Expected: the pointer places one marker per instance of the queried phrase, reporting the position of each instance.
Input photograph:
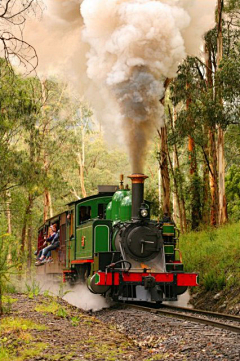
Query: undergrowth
(215, 255)
(17, 324)
(52, 307)
(16, 342)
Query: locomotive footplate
(113, 278)
(141, 286)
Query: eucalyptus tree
(213, 86)
(13, 47)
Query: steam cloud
(118, 53)
(77, 295)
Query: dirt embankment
(225, 301)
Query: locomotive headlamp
(144, 210)
(144, 213)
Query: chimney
(137, 193)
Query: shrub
(7, 262)
(215, 255)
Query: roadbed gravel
(173, 338)
(113, 334)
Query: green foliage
(231, 5)
(32, 289)
(233, 192)
(215, 255)
(46, 293)
(62, 312)
(22, 354)
(213, 281)
(211, 91)
(75, 321)
(17, 323)
(8, 259)
(9, 300)
(7, 303)
(52, 307)
(10, 288)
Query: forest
(53, 149)
(91, 90)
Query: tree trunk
(27, 217)
(82, 184)
(8, 212)
(176, 195)
(212, 156)
(82, 165)
(164, 172)
(47, 202)
(194, 186)
(28, 211)
(80, 154)
(213, 178)
(176, 207)
(179, 190)
(1, 307)
(206, 180)
(47, 212)
(221, 160)
(194, 178)
(29, 233)
(163, 162)
(159, 180)
(221, 177)
(9, 223)
(23, 237)
(176, 203)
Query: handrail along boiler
(110, 241)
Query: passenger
(39, 254)
(54, 239)
(48, 256)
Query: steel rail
(195, 319)
(203, 312)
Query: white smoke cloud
(134, 46)
(56, 36)
(118, 54)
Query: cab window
(84, 214)
(102, 211)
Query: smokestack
(137, 193)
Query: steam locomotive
(110, 242)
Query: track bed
(174, 338)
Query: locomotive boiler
(110, 242)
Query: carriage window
(84, 214)
(102, 211)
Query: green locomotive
(110, 242)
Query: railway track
(231, 323)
